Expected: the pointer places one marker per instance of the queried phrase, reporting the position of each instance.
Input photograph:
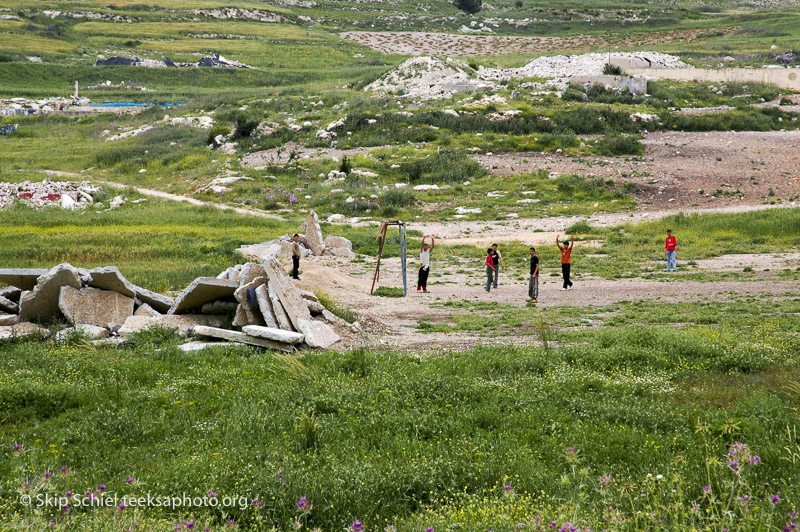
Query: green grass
(415, 441)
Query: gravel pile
(428, 78)
(67, 194)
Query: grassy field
(641, 425)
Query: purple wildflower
(755, 460)
(775, 499)
(130, 479)
(356, 526)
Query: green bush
(612, 145)
(388, 291)
(246, 124)
(445, 166)
(611, 70)
(469, 6)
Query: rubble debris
(8, 305)
(314, 234)
(317, 333)
(202, 290)
(93, 332)
(182, 322)
(265, 306)
(23, 330)
(191, 347)
(12, 293)
(218, 307)
(292, 302)
(8, 319)
(234, 336)
(271, 333)
(110, 278)
(277, 307)
(42, 302)
(146, 310)
(67, 194)
(91, 306)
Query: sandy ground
(391, 322)
(448, 44)
(677, 166)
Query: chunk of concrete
(293, 304)
(23, 330)
(240, 319)
(318, 334)
(159, 302)
(249, 306)
(265, 306)
(338, 242)
(202, 290)
(182, 322)
(218, 307)
(42, 302)
(314, 234)
(250, 272)
(277, 308)
(11, 293)
(235, 336)
(110, 278)
(92, 332)
(314, 307)
(8, 305)
(92, 306)
(271, 333)
(146, 310)
(191, 347)
(8, 319)
(23, 278)
(305, 294)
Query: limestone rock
(318, 334)
(23, 330)
(202, 290)
(314, 307)
(270, 333)
(265, 305)
(93, 332)
(146, 310)
(159, 302)
(182, 322)
(91, 306)
(338, 246)
(42, 301)
(191, 347)
(251, 308)
(8, 319)
(293, 304)
(314, 234)
(218, 307)
(8, 305)
(235, 336)
(277, 308)
(305, 294)
(250, 271)
(110, 278)
(11, 293)
(240, 320)
(23, 278)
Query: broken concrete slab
(248, 304)
(23, 278)
(23, 330)
(146, 310)
(235, 336)
(8, 319)
(182, 322)
(197, 345)
(265, 306)
(92, 332)
(92, 306)
(332, 241)
(8, 305)
(218, 307)
(318, 334)
(314, 234)
(240, 319)
(250, 272)
(277, 308)
(42, 302)
(159, 302)
(11, 293)
(305, 294)
(314, 307)
(293, 304)
(110, 278)
(202, 290)
(271, 333)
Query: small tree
(345, 166)
(469, 6)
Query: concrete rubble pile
(312, 244)
(101, 303)
(213, 61)
(66, 194)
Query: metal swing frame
(385, 224)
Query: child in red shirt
(670, 244)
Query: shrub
(345, 166)
(245, 125)
(388, 291)
(333, 306)
(397, 197)
(216, 131)
(469, 6)
(444, 166)
(611, 145)
(611, 70)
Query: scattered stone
(22, 278)
(146, 310)
(317, 333)
(265, 305)
(91, 306)
(23, 330)
(42, 301)
(202, 290)
(182, 322)
(314, 234)
(287, 293)
(8, 305)
(219, 307)
(93, 332)
(270, 333)
(338, 243)
(243, 338)
(314, 307)
(110, 278)
(305, 294)
(8, 319)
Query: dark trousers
(295, 267)
(565, 272)
(422, 280)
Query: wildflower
(706, 488)
(429, 529)
(190, 524)
(212, 494)
(775, 499)
(303, 506)
(130, 479)
(101, 487)
(755, 460)
(734, 466)
(507, 487)
(121, 506)
(605, 480)
(16, 447)
(256, 502)
(356, 526)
